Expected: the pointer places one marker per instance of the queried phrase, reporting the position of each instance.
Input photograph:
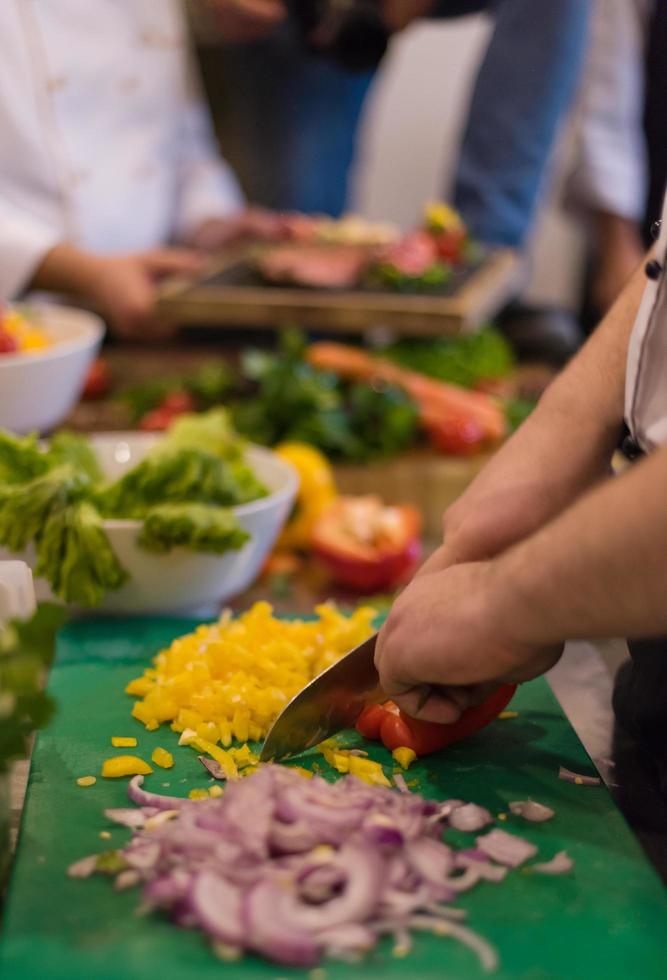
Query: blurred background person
(108, 165)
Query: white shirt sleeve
(609, 171)
(24, 241)
(207, 186)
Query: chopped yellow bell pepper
(215, 791)
(162, 758)
(198, 794)
(86, 781)
(119, 742)
(404, 756)
(369, 771)
(125, 765)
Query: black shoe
(548, 335)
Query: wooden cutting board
(606, 921)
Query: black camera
(351, 32)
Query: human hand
(459, 630)
(246, 20)
(124, 288)
(251, 223)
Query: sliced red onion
(469, 817)
(129, 816)
(217, 907)
(578, 778)
(488, 957)
(431, 859)
(142, 798)
(531, 810)
(83, 868)
(506, 848)
(142, 853)
(561, 864)
(212, 767)
(266, 933)
(126, 879)
(400, 783)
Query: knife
(331, 702)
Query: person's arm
(122, 288)
(563, 448)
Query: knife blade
(332, 701)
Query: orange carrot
(435, 399)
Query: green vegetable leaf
(25, 508)
(212, 432)
(196, 526)
(180, 475)
(20, 458)
(75, 556)
(68, 447)
(459, 360)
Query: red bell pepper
(366, 545)
(388, 723)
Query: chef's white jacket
(104, 139)
(646, 384)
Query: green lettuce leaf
(25, 508)
(21, 459)
(196, 526)
(69, 447)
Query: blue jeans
(292, 117)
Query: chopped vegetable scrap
(404, 756)
(162, 758)
(20, 333)
(296, 870)
(531, 810)
(579, 779)
(125, 765)
(561, 864)
(120, 742)
(345, 761)
(86, 781)
(231, 679)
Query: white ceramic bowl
(183, 581)
(38, 390)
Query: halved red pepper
(386, 722)
(366, 544)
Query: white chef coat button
(653, 269)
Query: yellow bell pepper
(162, 758)
(119, 742)
(125, 765)
(404, 756)
(317, 489)
(439, 217)
(86, 781)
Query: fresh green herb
(208, 386)
(293, 401)
(196, 526)
(26, 650)
(388, 275)
(459, 360)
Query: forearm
(67, 269)
(598, 570)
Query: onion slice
(506, 848)
(561, 864)
(531, 810)
(574, 777)
(469, 817)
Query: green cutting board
(606, 920)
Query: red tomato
(450, 244)
(366, 545)
(397, 730)
(156, 421)
(370, 720)
(8, 344)
(456, 435)
(177, 403)
(98, 380)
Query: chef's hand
(246, 20)
(450, 628)
(251, 223)
(124, 289)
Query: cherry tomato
(398, 730)
(458, 436)
(156, 421)
(8, 344)
(98, 380)
(450, 244)
(177, 403)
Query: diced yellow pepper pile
(231, 679)
(347, 760)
